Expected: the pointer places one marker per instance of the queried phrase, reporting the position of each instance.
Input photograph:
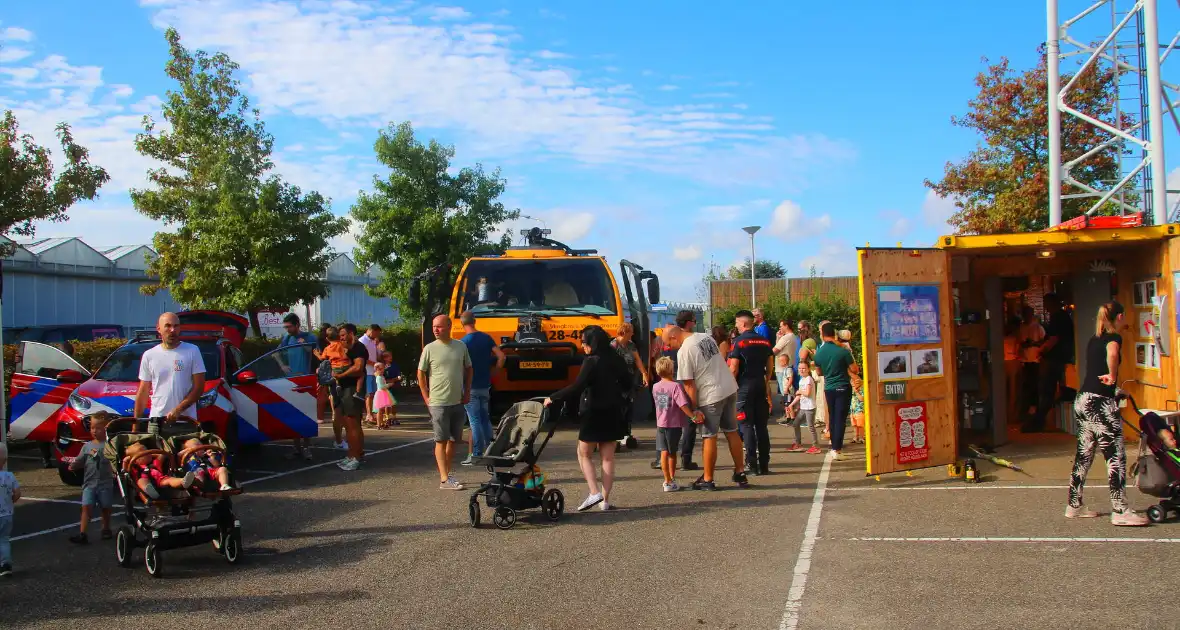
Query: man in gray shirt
(444, 376)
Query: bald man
(444, 376)
(172, 373)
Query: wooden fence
(729, 293)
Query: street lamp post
(753, 290)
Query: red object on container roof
(1083, 222)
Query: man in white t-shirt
(786, 352)
(173, 373)
(372, 341)
(711, 388)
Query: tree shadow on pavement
(137, 605)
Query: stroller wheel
(473, 512)
(504, 517)
(153, 561)
(553, 504)
(124, 545)
(232, 547)
(1156, 514)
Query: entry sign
(911, 432)
(895, 390)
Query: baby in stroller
(205, 462)
(150, 472)
(1159, 473)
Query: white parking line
(28, 457)
(334, 461)
(964, 487)
(39, 500)
(244, 483)
(790, 619)
(1010, 539)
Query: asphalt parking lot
(815, 545)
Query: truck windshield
(552, 286)
(123, 364)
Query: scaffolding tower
(1130, 46)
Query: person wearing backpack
(299, 363)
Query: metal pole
(1155, 109)
(1053, 63)
(753, 284)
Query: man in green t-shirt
(444, 376)
(833, 361)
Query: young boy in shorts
(98, 489)
(671, 413)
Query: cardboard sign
(911, 432)
(894, 390)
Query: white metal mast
(1146, 133)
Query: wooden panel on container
(938, 394)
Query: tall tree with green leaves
(421, 216)
(244, 240)
(762, 269)
(1003, 185)
(29, 191)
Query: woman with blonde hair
(1100, 425)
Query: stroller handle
(1121, 394)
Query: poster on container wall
(911, 432)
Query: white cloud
(551, 54)
(363, 65)
(835, 258)
(443, 14)
(692, 252)
(16, 34)
(789, 222)
(937, 210)
(721, 213)
(900, 227)
(667, 87)
(106, 224)
(10, 54)
(567, 226)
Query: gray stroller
(516, 482)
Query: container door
(907, 334)
(275, 395)
(37, 394)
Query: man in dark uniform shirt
(749, 360)
(1057, 350)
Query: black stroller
(173, 518)
(511, 459)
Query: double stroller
(516, 482)
(172, 517)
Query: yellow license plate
(536, 365)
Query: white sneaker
(342, 445)
(604, 506)
(590, 502)
(348, 463)
(450, 484)
(668, 487)
(225, 486)
(838, 456)
(675, 486)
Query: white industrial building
(66, 281)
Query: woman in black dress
(600, 392)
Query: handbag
(1151, 478)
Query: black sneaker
(5, 570)
(689, 465)
(763, 471)
(80, 539)
(701, 484)
(107, 535)
(740, 480)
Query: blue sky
(651, 131)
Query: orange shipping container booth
(934, 322)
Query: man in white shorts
(712, 389)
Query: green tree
(1002, 186)
(28, 190)
(244, 240)
(813, 309)
(421, 216)
(769, 269)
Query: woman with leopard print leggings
(1100, 425)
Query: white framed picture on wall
(1143, 293)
